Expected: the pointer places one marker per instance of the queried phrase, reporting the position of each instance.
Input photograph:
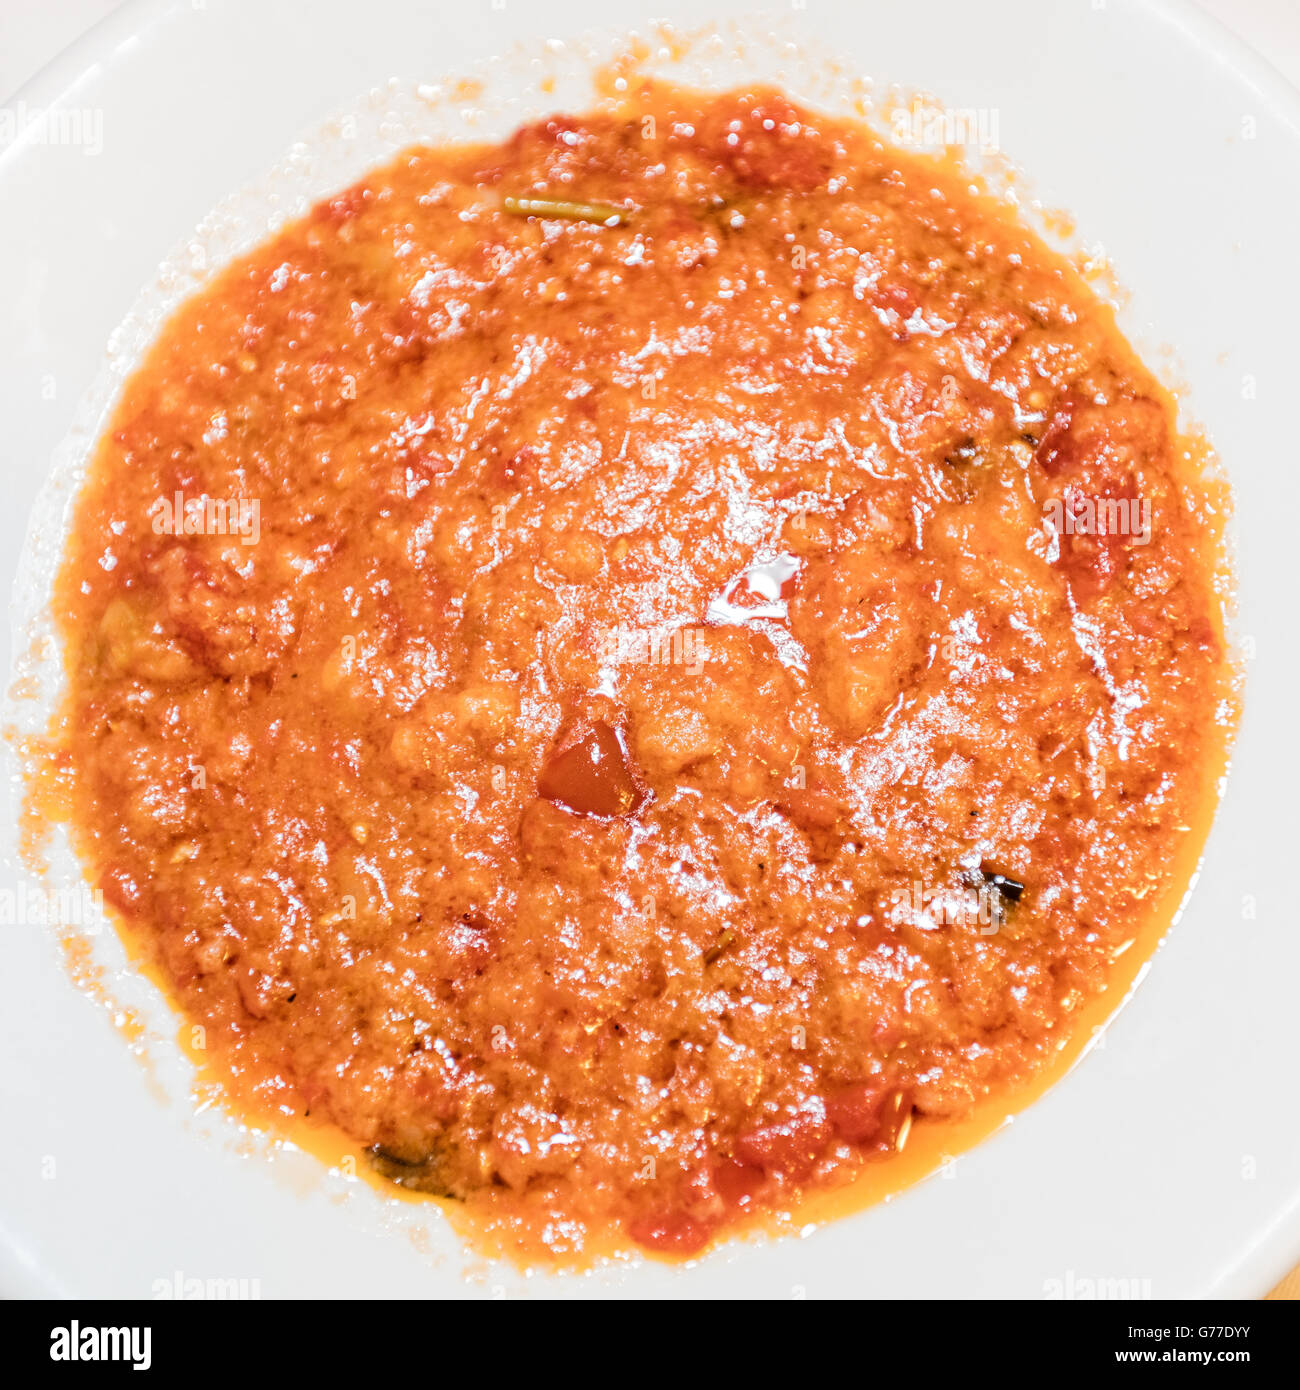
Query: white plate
(1168, 1162)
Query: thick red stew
(630, 669)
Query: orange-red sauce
(626, 713)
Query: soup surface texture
(627, 668)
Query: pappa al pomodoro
(629, 669)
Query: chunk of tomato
(590, 775)
(791, 1146)
(670, 1232)
(868, 1112)
(737, 1182)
